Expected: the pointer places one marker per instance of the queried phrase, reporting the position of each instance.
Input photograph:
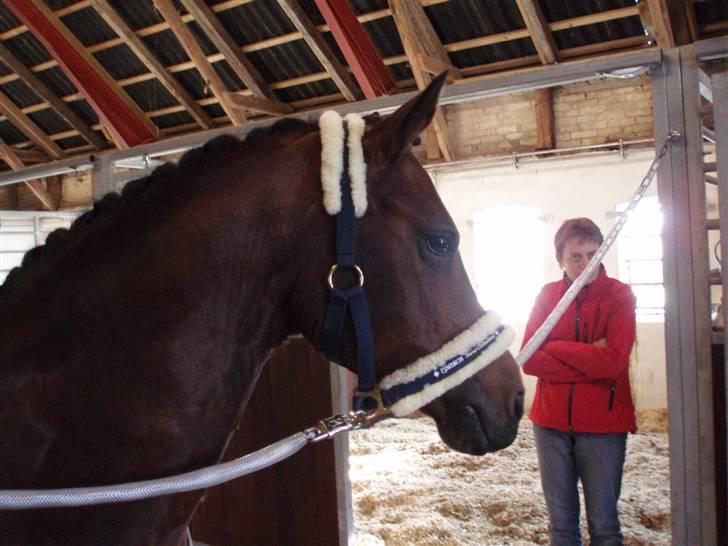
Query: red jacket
(583, 387)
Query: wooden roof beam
(46, 94)
(424, 49)
(225, 44)
(320, 49)
(26, 125)
(124, 119)
(10, 156)
(194, 51)
(257, 104)
(539, 30)
(668, 21)
(364, 60)
(114, 20)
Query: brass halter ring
(335, 267)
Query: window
(21, 231)
(640, 258)
(509, 260)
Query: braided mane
(137, 191)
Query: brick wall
(585, 113)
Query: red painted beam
(358, 49)
(127, 126)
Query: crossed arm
(565, 361)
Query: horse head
(419, 295)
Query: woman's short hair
(582, 229)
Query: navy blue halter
(352, 299)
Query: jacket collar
(594, 285)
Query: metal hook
(515, 160)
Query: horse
(131, 342)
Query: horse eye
(441, 245)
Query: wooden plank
(656, 21)
(240, 64)
(420, 41)
(257, 104)
(320, 49)
(436, 66)
(300, 489)
(122, 116)
(539, 30)
(543, 105)
(167, 9)
(114, 20)
(46, 94)
(35, 186)
(24, 124)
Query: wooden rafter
(10, 156)
(240, 64)
(114, 20)
(257, 104)
(655, 18)
(29, 128)
(39, 88)
(124, 119)
(544, 109)
(421, 42)
(193, 49)
(471, 72)
(539, 30)
(320, 49)
(364, 60)
(691, 21)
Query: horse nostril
(518, 405)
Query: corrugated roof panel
(56, 81)
(307, 91)
(193, 83)
(49, 122)
(173, 120)
(202, 40)
(166, 48)
(214, 110)
(55, 5)
(711, 12)
(84, 111)
(599, 32)
(120, 62)
(150, 95)
(8, 21)
(10, 134)
(256, 21)
(20, 93)
(88, 26)
(26, 48)
(285, 61)
(4, 70)
(137, 13)
(384, 35)
(71, 142)
(558, 10)
(493, 53)
(228, 76)
(459, 20)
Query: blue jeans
(566, 457)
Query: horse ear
(395, 134)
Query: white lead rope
(327, 428)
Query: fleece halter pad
(416, 385)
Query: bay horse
(130, 343)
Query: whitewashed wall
(563, 188)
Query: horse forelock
(113, 204)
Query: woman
(583, 405)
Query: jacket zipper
(612, 388)
(577, 336)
